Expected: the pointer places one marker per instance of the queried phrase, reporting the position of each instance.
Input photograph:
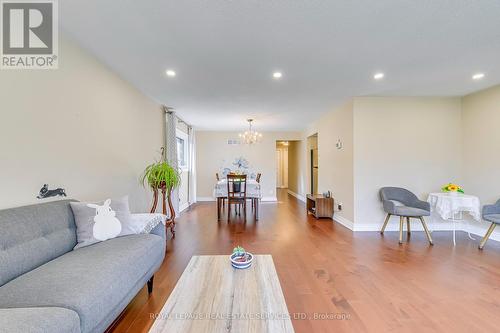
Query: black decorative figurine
(46, 193)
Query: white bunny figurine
(106, 224)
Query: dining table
(253, 193)
(451, 206)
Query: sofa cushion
(92, 280)
(39, 320)
(32, 235)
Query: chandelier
(251, 136)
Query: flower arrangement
(240, 166)
(452, 188)
(241, 163)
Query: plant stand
(166, 197)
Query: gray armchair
(403, 203)
(491, 213)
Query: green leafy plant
(161, 174)
(239, 251)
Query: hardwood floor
(366, 281)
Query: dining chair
(490, 213)
(236, 194)
(223, 199)
(403, 203)
(257, 179)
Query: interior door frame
(312, 169)
(282, 167)
(311, 156)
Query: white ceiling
(224, 52)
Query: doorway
(282, 164)
(312, 145)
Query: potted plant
(240, 258)
(452, 189)
(161, 176)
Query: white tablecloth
(253, 189)
(448, 206)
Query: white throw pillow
(97, 222)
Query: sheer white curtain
(171, 149)
(192, 165)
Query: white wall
(407, 142)
(335, 172)
(80, 127)
(212, 150)
(481, 148)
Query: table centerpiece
(240, 258)
(452, 189)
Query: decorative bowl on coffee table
(241, 260)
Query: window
(182, 149)
(180, 152)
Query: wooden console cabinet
(319, 206)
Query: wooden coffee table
(212, 296)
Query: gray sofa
(45, 286)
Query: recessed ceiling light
(170, 73)
(478, 76)
(378, 76)
(277, 75)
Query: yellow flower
(452, 187)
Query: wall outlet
(339, 206)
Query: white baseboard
(480, 231)
(205, 199)
(345, 222)
(183, 207)
(298, 196)
(269, 199)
